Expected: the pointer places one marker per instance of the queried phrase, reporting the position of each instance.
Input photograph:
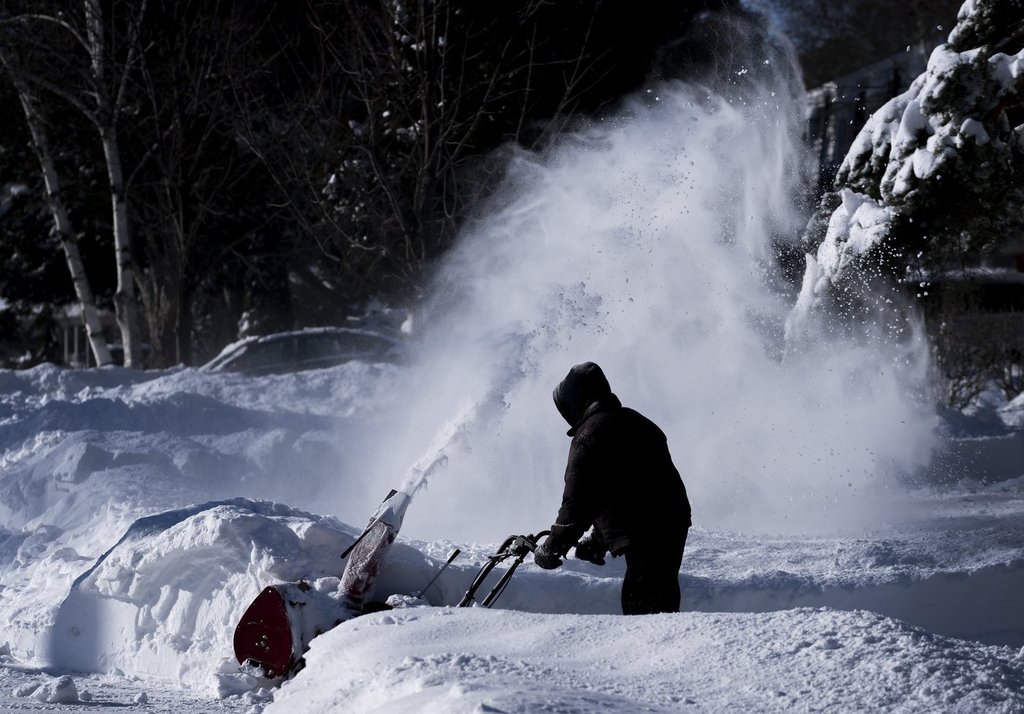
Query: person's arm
(579, 498)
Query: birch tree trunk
(62, 223)
(126, 302)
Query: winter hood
(583, 388)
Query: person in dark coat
(619, 479)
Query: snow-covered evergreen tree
(935, 175)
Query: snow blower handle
(515, 546)
(523, 545)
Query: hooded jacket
(620, 477)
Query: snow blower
(274, 633)
(277, 627)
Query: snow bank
(87, 456)
(163, 601)
(472, 660)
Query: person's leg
(651, 583)
(632, 585)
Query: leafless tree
(193, 163)
(420, 91)
(86, 57)
(61, 218)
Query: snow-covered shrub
(935, 176)
(942, 161)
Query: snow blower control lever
(515, 546)
(453, 556)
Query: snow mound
(165, 599)
(474, 660)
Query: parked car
(312, 348)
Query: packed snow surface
(443, 660)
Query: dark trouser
(651, 584)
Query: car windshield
(352, 345)
(257, 355)
(305, 350)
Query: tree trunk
(62, 223)
(126, 301)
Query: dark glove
(592, 549)
(545, 557)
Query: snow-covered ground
(128, 554)
(852, 550)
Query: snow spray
(649, 242)
(367, 556)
